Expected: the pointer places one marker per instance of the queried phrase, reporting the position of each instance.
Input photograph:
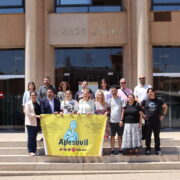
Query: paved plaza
(140, 175)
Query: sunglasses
(123, 82)
(141, 78)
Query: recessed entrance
(91, 64)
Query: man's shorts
(115, 128)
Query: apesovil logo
(71, 137)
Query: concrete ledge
(18, 144)
(88, 166)
(44, 173)
(164, 142)
(103, 159)
(17, 150)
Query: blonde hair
(103, 98)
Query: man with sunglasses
(124, 92)
(140, 91)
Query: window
(166, 5)
(166, 81)
(91, 64)
(75, 6)
(11, 6)
(12, 62)
(166, 59)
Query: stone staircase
(14, 158)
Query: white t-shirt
(141, 91)
(86, 107)
(69, 107)
(116, 105)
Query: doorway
(11, 112)
(167, 86)
(75, 65)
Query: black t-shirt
(131, 113)
(152, 108)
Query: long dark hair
(103, 81)
(64, 83)
(31, 82)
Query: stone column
(127, 48)
(141, 47)
(34, 37)
(49, 67)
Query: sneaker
(148, 152)
(112, 152)
(32, 154)
(158, 153)
(120, 152)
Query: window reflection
(166, 70)
(104, 9)
(10, 2)
(90, 64)
(71, 2)
(11, 6)
(168, 89)
(12, 62)
(68, 6)
(71, 9)
(166, 5)
(166, 59)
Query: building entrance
(167, 86)
(91, 64)
(11, 113)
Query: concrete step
(18, 150)
(100, 172)
(164, 142)
(18, 144)
(169, 154)
(88, 166)
(106, 151)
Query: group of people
(124, 109)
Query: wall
(88, 29)
(12, 31)
(165, 33)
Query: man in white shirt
(140, 91)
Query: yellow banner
(73, 135)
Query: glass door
(11, 112)
(168, 87)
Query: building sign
(87, 29)
(77, 31)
